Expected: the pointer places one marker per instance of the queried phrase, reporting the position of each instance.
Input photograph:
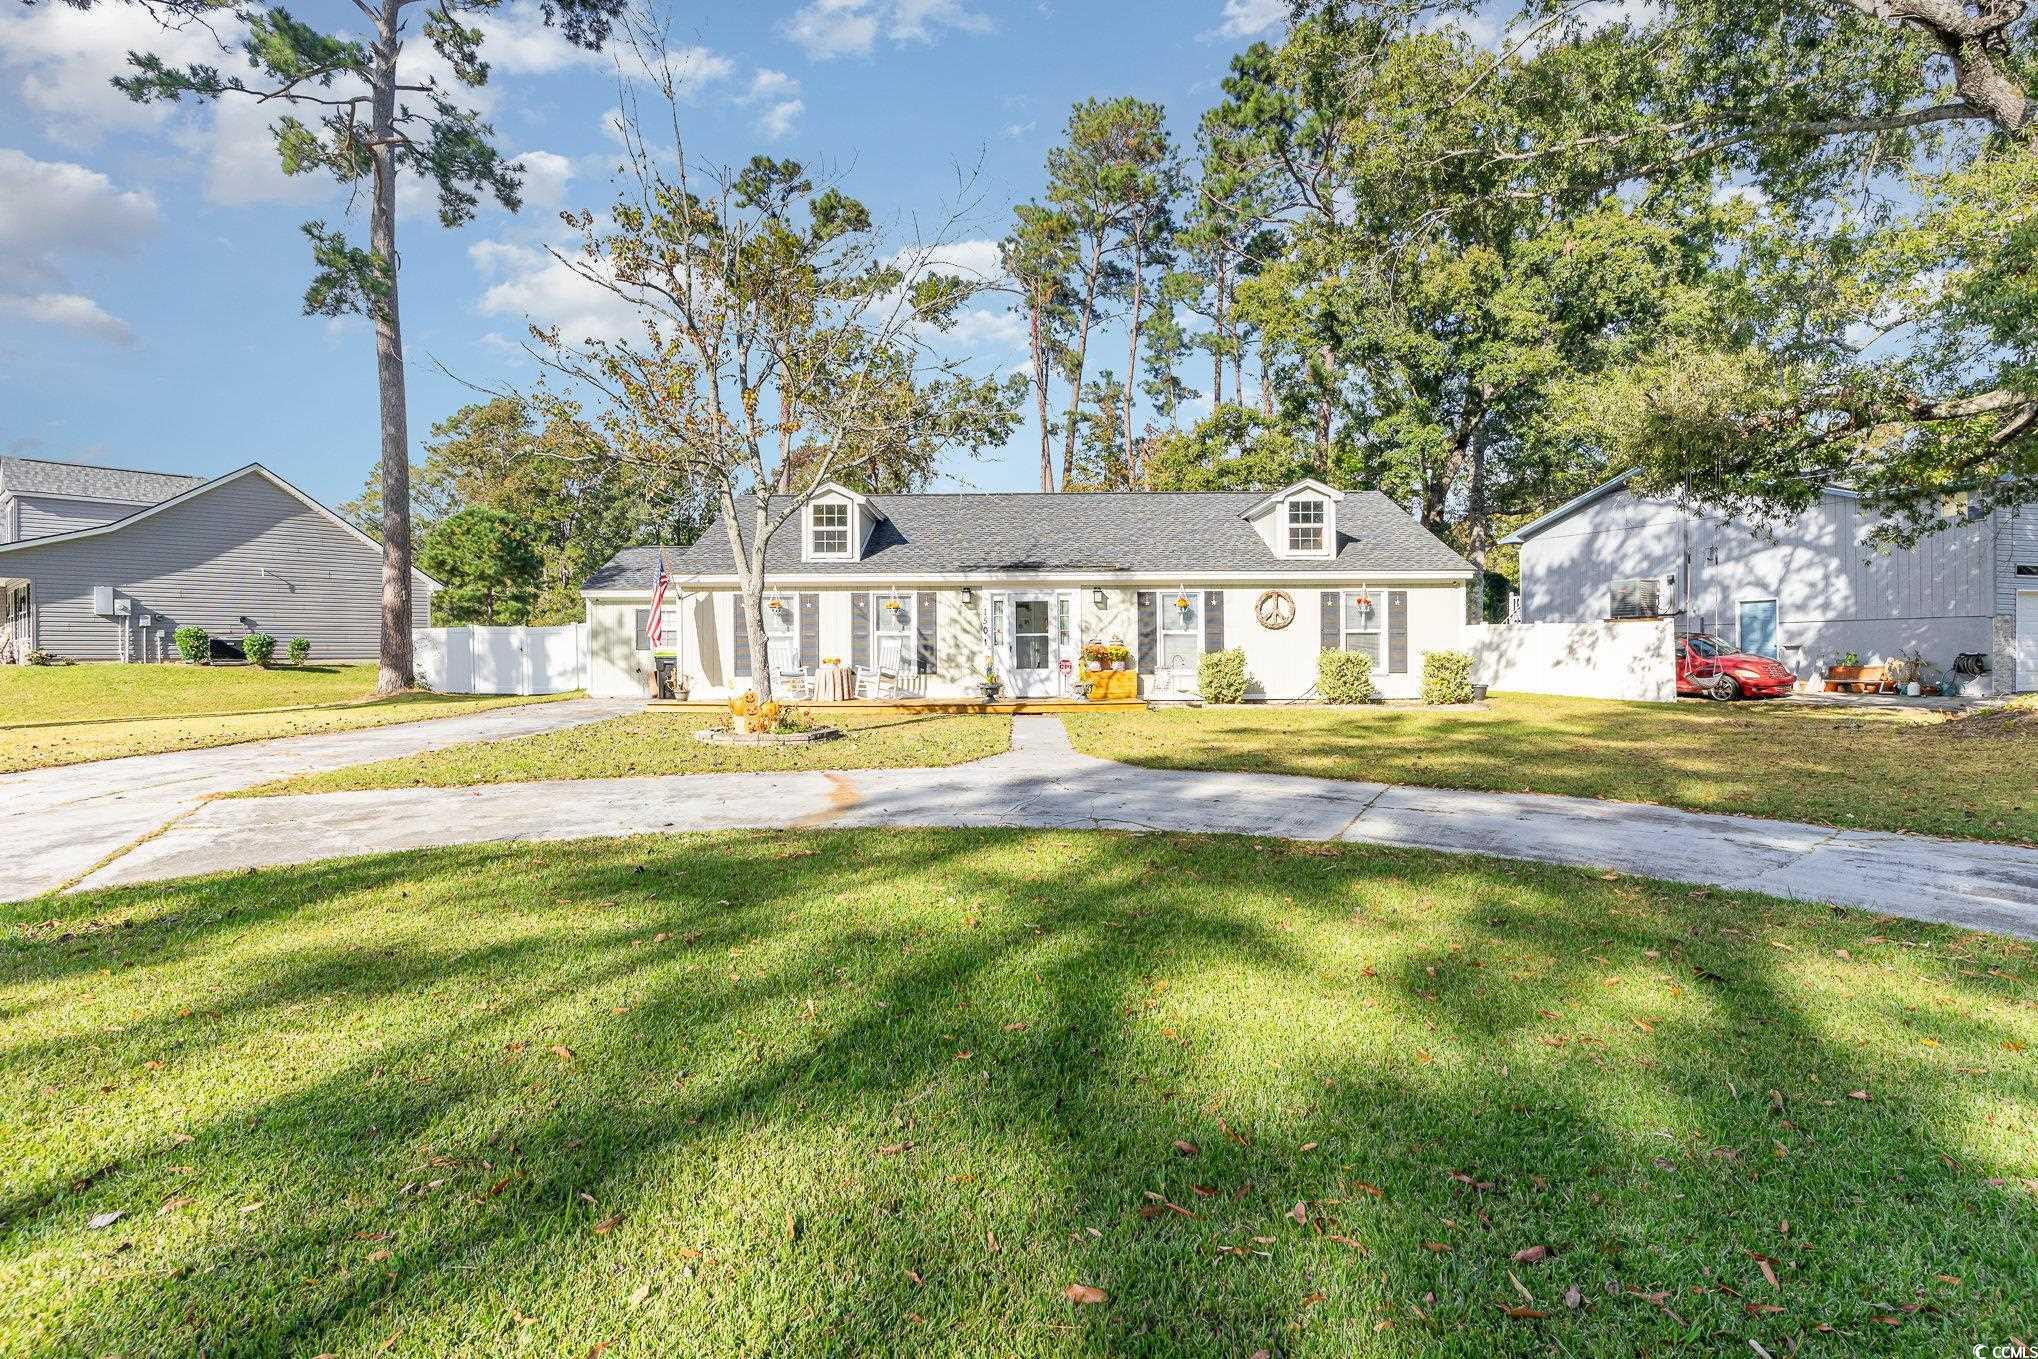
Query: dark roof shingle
(34, 476)
(1186, 532)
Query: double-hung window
(894, 614)
(831, 528)
(1360, 626)
(1181, 618)
(1305, 525)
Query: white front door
(2027, 639)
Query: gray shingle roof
(33, 476)
(1153, 531)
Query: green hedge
(1344, 677)
(300, 650)
(1446, 677)
(194, 644)
(1221, 676)
(258, 647)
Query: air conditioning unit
(1643, 597)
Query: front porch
(924, 707)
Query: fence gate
(503, 660)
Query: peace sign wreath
(1275, 609)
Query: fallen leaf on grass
(608, 1224)
(1439, 1247)
(1759, 1309)
(1521, 1313)
(1082, 1295)
(1300, 1212)
(1530, 1255)
(171, 1205)
(100, 1221)
(1573, 1299)
(376, 1257)
(1185, 1148)
(642, 1292)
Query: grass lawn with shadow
(895, 1092)
(1971, 777)
(653, 743)
(83, 693)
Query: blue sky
(151, 269)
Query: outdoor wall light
(1097, 598)
(969, 596)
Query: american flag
(655, 628)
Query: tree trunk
(1068, 451)
(397, 671)
(1038, 342)
(1478, 523)
(1132, 356)
(1217, 348)
(1266, 382)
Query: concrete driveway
(56, 823)
(1043, 782)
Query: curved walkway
(57, 823)
(1043, 782)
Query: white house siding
(39, 516)
(1282, 664)
(2016, 545)
(1834, 592)
(242, 557)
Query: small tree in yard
(486, 564)
(781, 345)
(371, 123)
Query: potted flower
(1096, 656)
(990, 685)
(1120, 655)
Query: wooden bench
(1857, 679)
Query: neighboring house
(99, 564)
(937, 588)
(1805, 592)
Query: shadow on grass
(871, 1092)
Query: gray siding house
(1805, 592)
(102, 564)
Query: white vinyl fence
(502, 660)
(1619, 658)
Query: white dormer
(836, 523)
(1299, 520)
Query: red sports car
(1708, 667)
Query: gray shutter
(1333, 635)
(1397, 632)
(1149, 631)
(810, 631)
(859, 630)
(923, 623)
(643, 629)
(741, 670)
(1213, 620)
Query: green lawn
(1971, 777)
(40, 747)
(83, 693)
(663, 743)
(896, 1092)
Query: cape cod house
(105, 564)
(933, 590)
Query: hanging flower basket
(1181, 601)
(1363, 601)
(892, 604)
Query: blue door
(1758, 627)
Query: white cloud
(533, 285)
(53, 209)
(546, 174)
(983, 328)
(779, 120)
(72, 312)
(47, 206)
(517, 40)
(62, 60)
(850, 28)
(1250, 18)
(1017, 130)
(780, 94)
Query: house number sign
(1275, 609)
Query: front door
(1030, 651)
(1758, 627)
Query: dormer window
(830, 529)
(1305, 525)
